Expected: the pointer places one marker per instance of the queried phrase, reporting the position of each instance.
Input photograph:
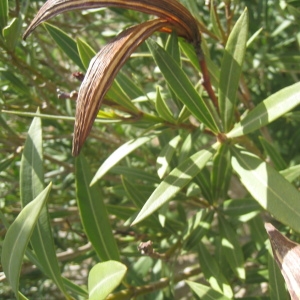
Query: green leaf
(232, 248)
(258, 232)
(205, 292)
(273, 153)
(162, 108)
(3, 14)
(268, 187)
(32, 171)
(174, 182)
(31, 185)
(120, 153)
(197, 227)
(164, 158)
(213, 69)
(172, 49)
(7, 161)
(269, 110)
(186, 148)
(181, 85)
(119, 96)
(290, 174)
(135, 194)
(215, 22)
(66, 43)
(93, 213)
(12, 32)
(72, 287)
(221, 173)
(241, 209)
(131, 89)
(16, 83)
(212, 271)
(104, 278)
(204, 181)
(17, 238)
(86, 52)
(231, 69)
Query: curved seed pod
(287, 256)
(171, 10)
(100, 74)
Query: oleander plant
(149, 149)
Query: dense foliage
(179, 197)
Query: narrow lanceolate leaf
(120, 153)
(178, 16)
(65, 43)
(174, 182)
(104, 278)
(287, 256)
(231, 69)
(165, 156)
(86, 52)
(205, 292)
(290, 174)
(182, 86)
(273, 154)
(269, 110)
(232, 248)
(11, 33)
(17, 238)
(268, 187)
(3, 14)
(221, 172)
(162, 108)
(93, 213)
(31, 185)
(212, 271)
(101, 73)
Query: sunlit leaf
(177, 179)
(86, 52)
(18, 236)
(205, 292)
(268, 110)
(120, 153)
(290, 174)
(212, 271)
(268, 187)
(104, 278)
(165, 156)
(231, 69)
(232, 248)
(162, 108)
(31, 185)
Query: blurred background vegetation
(36, 73)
